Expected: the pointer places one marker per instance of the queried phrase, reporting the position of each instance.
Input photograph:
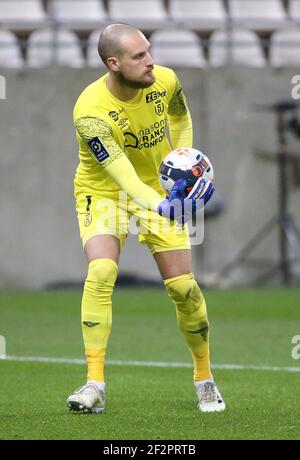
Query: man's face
(136, 63)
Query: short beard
(132, 83)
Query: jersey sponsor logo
(154, 95)
(159, 107)
(151, 136)
(148, 137)
(114, 114)
(98, 149)
(122, 122)
(131, 140)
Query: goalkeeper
(121, 122)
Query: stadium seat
(241, 47)
(76, 14)
(145, 15)
(200, 14)
(46, 47)
(285, 48)
(294, 9)
(10, 53)
(20, 14)
(177, 47)
(258, 14)
(92, 56)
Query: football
(184, 163)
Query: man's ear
(113, 64)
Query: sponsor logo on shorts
(104, 212)
(88, 217)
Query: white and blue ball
(184, 163)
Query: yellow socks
(95, 362)
(192, 320)
(97, 317)
(96, 314)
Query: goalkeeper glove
(182, 206)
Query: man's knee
(190, 305)
(185, 293)
(103, 272)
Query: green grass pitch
(153, 403)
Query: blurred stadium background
(231, 56)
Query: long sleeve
(180, 121)
(99, 137)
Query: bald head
(112, 38)
(125, 52)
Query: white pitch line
(150, 364)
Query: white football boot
(209, 397)
(88, 399)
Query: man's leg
(176, 269)
(102, 252)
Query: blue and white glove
(181, 206)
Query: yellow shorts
(109, 214)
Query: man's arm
(180, 122)
(98, 135)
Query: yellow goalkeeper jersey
(108, 129)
